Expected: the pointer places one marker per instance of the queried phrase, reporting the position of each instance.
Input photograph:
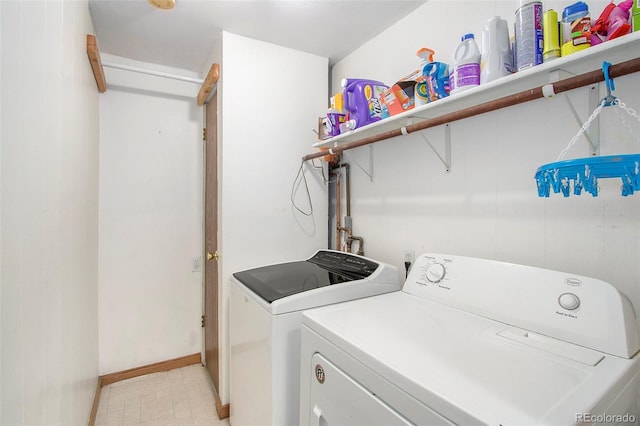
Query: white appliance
(472, 341)
(265, 313)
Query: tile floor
(179, 397)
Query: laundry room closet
(102, 193)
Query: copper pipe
(347, 187)
(336, 173)
(592, 77)
(339, 227)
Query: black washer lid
(325, 268)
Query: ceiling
(185, 36)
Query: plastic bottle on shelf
(465, 70)
(421, 93)
(550, 36)
(332, 122)
(576, 28)
(496, 50)
(362, 101)
(528, 35)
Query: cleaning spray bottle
(612, 23)
(435, 79)
(420, 91)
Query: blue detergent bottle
(362, 101)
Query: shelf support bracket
(594, 128)
(593, 134)
(352, 160)
(446, 160)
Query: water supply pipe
(348, 227)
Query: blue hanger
(609, 99)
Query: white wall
(150, 217)
(270, 98)
(487, 206)
(1, 388)
(49, 211)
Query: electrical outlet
(409, 256)
(196, 263)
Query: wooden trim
(222, 410)
(209, 82)
(96, 402)
(158, 367)
(96, 64)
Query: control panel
(573, 308)
(351, 265)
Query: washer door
(337, 399)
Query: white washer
(472, 341)
(265, 313)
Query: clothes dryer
(473, 341)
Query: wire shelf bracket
(445, 159)
(365, 171)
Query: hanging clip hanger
(585, 172)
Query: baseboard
(96, 401)
(158, 367)
(222, 410)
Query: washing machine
(473, 341)
(266, 305)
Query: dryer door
(337, 399)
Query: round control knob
(436, 272)
(569, 301)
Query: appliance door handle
(317, 416)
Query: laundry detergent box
(400, 97)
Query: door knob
(215, 256)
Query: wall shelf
(577, 70)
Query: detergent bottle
(332, 122)
(576, 28)
(465, 72)
(362, 101)
(496, 50)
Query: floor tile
(180, 397)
